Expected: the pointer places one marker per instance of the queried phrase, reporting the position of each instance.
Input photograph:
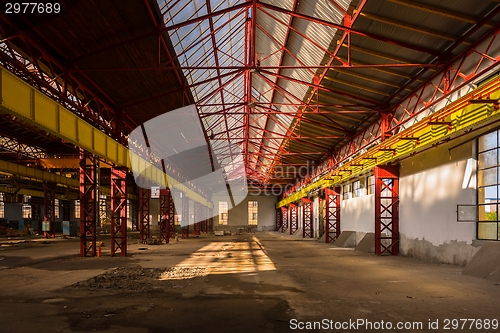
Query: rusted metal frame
(211, 220)
(284, 49)
(364, 77)
(197, 219)
(349, 29)
(321, 105)
(274, 84)
(165, 215)
(134, 214)
(88, 203)
(249, 59)
(179, 76)
(51, 61)
(284, 219)
(312, 85)
(75, 103)
(144, 213)
(49, 209)
(185, 216)
(307, 218)
(119, 211)
(171, 213)
(332, 206)
(219, 113)
(204, 219)
(184, 88)
(293, 209)
(335, 53)
(237, 74)
(165, 29)
(386, 210)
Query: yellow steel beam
(24, 101)
(451, 120)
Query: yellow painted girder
(461, 115)
(20, 99)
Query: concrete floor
(263, 282)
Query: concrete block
(367, 243)
(486, 263)
(346, 239)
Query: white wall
(432, 184)
(358, 214)
(238, 216)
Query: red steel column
(284, 218)
(185, 216)
(294, 217)
(50, 207)
(197, 217)
(387, 209)
(119, 211)
(144, 212)
(332, 207)
(165, 215)
(210, 220)
(171, 212)
(204, 219)
(88, 189)
(307, 218)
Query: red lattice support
(307, 218)
(171, 211)
(278, 219)
(144, 213)
(88, 212)
(284, 218)
(294, 217)
(119, 211)
(332, 207)
(386, 210)
(185, 216)
(50, 208)
(204, 219)
(165, 216)
(197, 219)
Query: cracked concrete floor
(245, 283)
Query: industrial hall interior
(249, 165)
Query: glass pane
(488, 159)
(487, 230)
(487, 177)
(488, 212)
(487, 194)
(488, 141)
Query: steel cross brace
(88, 203)
(386, 210)
(307, 218)
(144, 213)
(332, 207)
(294, 217)
(165, 216)
(119, 211)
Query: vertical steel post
(134, 214)
(284, 218)
(332, 207)
(294, 217)
(50, 207)
(210, 220)
(185, 216)
(204, 219)
(144, 213)
(386, 209)
(307, 218)
(119, 211)
(36, 212)
(88, 197)
(165, 215)
(171, 212)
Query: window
(488, 186)
(56, 208)
(346, 193)
(26, 211)
(253, 208)
(356, 189)
(177, 219)
(77, 209)
(370, 184)
(223, 212)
